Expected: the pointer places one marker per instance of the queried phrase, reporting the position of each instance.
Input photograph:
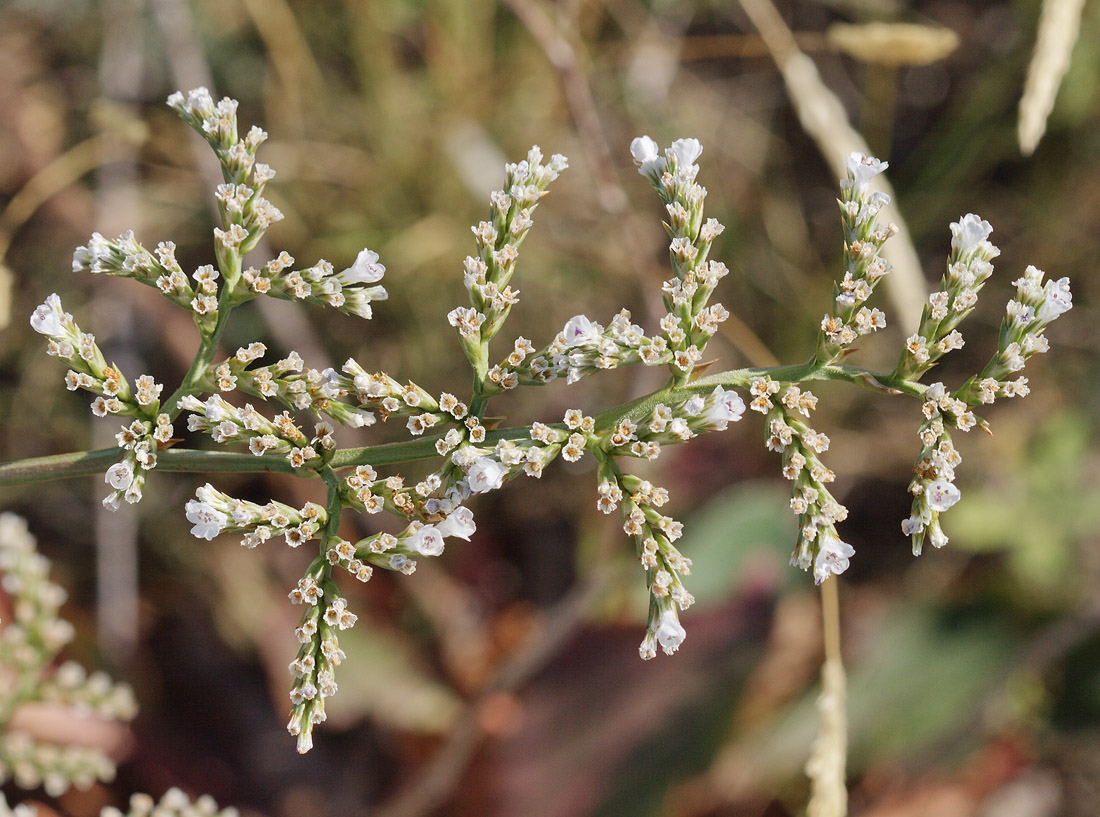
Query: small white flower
(214, 410)
(427, 541)
(832, 557)
(968, 232)
(207, 520)
(941, 495)
(486, 474)
(1058, 300)
(365, 270)
(359, 418)
(646, 155)
(580, 331)
(685, 151)
(912, 526)
(727, 406)
(120, 475)
(49, 317)
(694, 406)
(937, 536)
(862, 168)
(670, 632)
(459, 524)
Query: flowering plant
(472, 455)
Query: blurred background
(503, 679)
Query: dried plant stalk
(828, 758)
(1059, 25)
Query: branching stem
(84, 463)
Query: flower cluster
(89, 370)
(968, 268)
(226, 423)
(1036, 304)
(689, 322)
(213, 512)
(288, 382)
(388, 398)
(126, 257)
(933, 484)
(653, 534)
(484, 468)
(864, 265)
(819, 547)
(487, 275)
(315, 665)
(245, 213)
(29, 642)
(351, 290)
(581, 348)
(174, 803)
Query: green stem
(84, 463)
(480, 399)
(333, 507)
(203, 358)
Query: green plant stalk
(192, 381)
(84, 463)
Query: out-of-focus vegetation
(974, 671)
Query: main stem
(83, 463)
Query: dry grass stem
(1059, 25)
(828, 757)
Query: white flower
(694, 406)
(120, 475)
(427, 541)
(580, 331)
(199, 102)
(938, 537)
(214, 409)
(190, 403)
(832, 557)
(941, 495)
(208, 521)
(862, 168)
(912, 526)
(646, 156)
(486, 474)
(365, 270)
(1058, 300)
(685, 151)
(358, 418)
(670, 632)
(969, 232)
(49, 317)
(459, 524)
(727, 406)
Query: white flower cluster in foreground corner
(174, 803)
(30, 639)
